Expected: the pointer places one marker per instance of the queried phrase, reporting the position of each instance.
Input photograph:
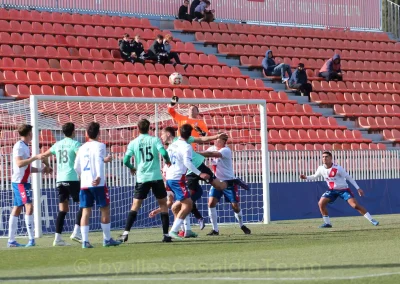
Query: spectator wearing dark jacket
(138, 50)
(126, 49)
(273, 69)
(331, 69)
(298, 81)
(171, 55)
(183, 12)
(193, 6)
(157, 51)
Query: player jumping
(335, 176)
(146, 149)
(222, 165)
(180, 153)
(89, 164)
(21, 170)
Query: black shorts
(192, 180)
(157, 186)
(67, 189)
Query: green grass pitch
(353, 251)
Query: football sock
(85, 233)
(368, 216)
(213, 217)
(187, 224)
(12, 228)
(60, 221)
(177, 223)
(106, 231)
(76, 230)
(239, 217)
(326, 219)
(29, 226)
(165, 222)
(131, 219)
(196, 212)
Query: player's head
(193, 111)
(220, 143)
(167, 135)
(25, 131)
(143, 126)
(69, 130)
(327, 158)
(186, 131)
(93, 130)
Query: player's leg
(86, 202)
(103, 201)
(196, 195)
(160, 193)
(28, 212)
(231, 195)
(63, 196)
(140, 194)
(354, 203)
(74, 191)
(327, 197)
(213, 200)
(13, 225)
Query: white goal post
(36, 119)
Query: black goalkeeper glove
(174, 100)
(200, 131)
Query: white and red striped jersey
(335, 177)
(21, 175)
(222, 167)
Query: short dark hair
(301, 65)
(93, 130)
(160, 37)
(327, 153)
(24, 130)
(170, 130)
(186, 131)
(144, 126)
(126, 35)
(68, 129)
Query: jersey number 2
(87, 167)
(147, 155)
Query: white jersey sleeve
(21, 175)
(180, 154)
(334, 176)
(187, 154)
(317, 174)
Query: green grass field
(353, 251)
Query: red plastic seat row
(87, 19)
(367, 110)
(359, 98)
(278, 31)
(357, 87)
(335, 146)
(302, 122)
(289, 109)
(385, 77)
(391, 135)
(379, 122)
(317, 136)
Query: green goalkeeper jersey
(65, 151)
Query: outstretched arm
(205, 139)
(312, 177)
(211, 154)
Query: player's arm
(175, 115)
(187, 161)
(77, 164)
(99, 164)
(163, 152)
(205, 139)
(211, 154)
(348, 177)
(45, 160)
(20, 162)
(312, 177)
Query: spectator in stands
(157, 51)
(171, 54)
(298, 81)
(331, 69)
(183, 12)
(138, 50)
(126, 49)
(273, 69)
(209, 15)
(202, 10)
(193, 6)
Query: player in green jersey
(145, 149)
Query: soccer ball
(175, 79)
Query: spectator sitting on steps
(183, 12)
(157, 51)
(193, 6)
(202, 10)
(126, 49)
(331, 69)
(273, 69)
(138, 50)
(298, 81)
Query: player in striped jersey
(21, 185)
(335, 176)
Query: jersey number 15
(146, 153)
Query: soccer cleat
(325, 225)
(31, 243)
(241, 183)
(86, 245)
(60, 243)
(175, 235)
(123, 238)
(213, 233)
(181, 234)
(167, 239)
(76, 238)
(374, 222)
(245, 230)
(201, 223)
(111, 243)
(190, 234)
(14, 244)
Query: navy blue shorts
(344, 194)
(231, 194)
(87, 197)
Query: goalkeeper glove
(174, 100)
(201, 132)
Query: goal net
(118, 118)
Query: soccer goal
(243, 120)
